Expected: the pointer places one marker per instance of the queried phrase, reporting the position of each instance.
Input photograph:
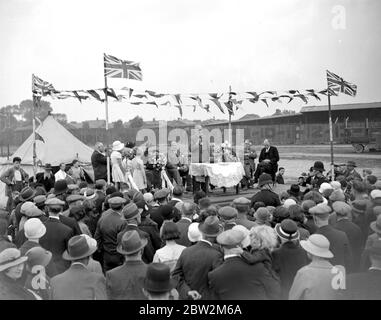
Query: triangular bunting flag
(38, 137)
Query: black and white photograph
(200, 152)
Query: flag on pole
(116, 68)
(38, 137)
(338, 84)
(41, 87)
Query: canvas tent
(59, 146)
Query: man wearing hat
(266, 195)
(108, 227)
(188, 210)
(314, 281)
(100, 187)
(161, 196)
(289, 257)
(60, 191)
(235, 278)
(126, 281)
(242, 205)
(78, 282)
(26, 194)
(366, 285)
(56, 236)
(294, 191)
(339, 243)
(177, 195)
(350, 173)
(353, 232)
(228, 216)
(73, 200)
(196, 261)
(360, 218)
(34, 230)
(46, 178)
(132, 215)
(158, 284)
(317, 176)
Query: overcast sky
(188, 46)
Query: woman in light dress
(138, 171)
(118, 171)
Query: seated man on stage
(268, 161)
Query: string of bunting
(225, 101)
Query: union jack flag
(338, 84)
(41, 87)
(116, 68)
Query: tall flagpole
(107, 134)
(331, 133)
(230, 116)
(34, 130)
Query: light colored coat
(314, 282)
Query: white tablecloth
(222, 174)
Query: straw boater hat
(317, 245)
(11, 257)
(117, 146)
(78, 248)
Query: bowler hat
(158, 278)
(264, 178)
(230, 238)
(78, 248)
(319, 166)
(294, 190)
(351, 163)
(287, 230)
(376, 225)
(26, 194)
(60, 187)
(131, 211)
(317, 245)
(131, 242)
(211, 226)
(10, 257)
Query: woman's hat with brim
(194, 233)
(11, 257)
(117, 146)
(131, 243)
(158, 278)
(78, 248)
(26, 194)
(317, 245)
(38, 256)
(287, 230)
(210, 227)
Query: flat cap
(116, 201)
(375, 194)
(241, 201)
(54, 202)
(74, 197)
(39, 199)
(100, 183)
(73, 187)
(161, 194)
(228, 213)
(230, 238)
(341, 208)
(320, 210)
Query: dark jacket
(28, 245)
(99, 163)
(339, 246)
(364, 286)
(148, 251)
(55, 240)
(279, 179)
(71, 223)
(48, 183)
(268, 197)
(183, 225)
(287, 260)
(272, 155)
(354, 235)
(235, 279)
(5, 243)
(7, 178)
(126, 281)
(150, 227)
(12, 290)
(192, 269)
(155, 215)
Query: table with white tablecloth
(221, 174)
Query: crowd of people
(64, 238)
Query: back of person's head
(284, 196)
(314, 196)
(204, 203)
(188, 208)
(258, 205)
(170, 231)
(371, 179)
(110, 190)
(296, 213)
(280, 213)
(263, 237)
(198, 195)
(359, 186)
(307, 205)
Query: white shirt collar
(80, 263)
(374, 268)
(203, 240)
(231, 256)
(54, 217)
(186, 218)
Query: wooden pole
(230, 117)
(107, 134)
(331, 134)
(34, 104)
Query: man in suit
(350, 173)
(161, 196)
(78, 282)
(99, 162)
(100, 197)
(290, 256)
(339, 243)
(46, 178)
(177, 195)
(228, 216)
(188, 209)
(126, 281)
(353, 232)
(132, 215)
(106, 234)
(196, 261)
(366, 285)
(56, 237)
(235, 278)
(268, 161)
